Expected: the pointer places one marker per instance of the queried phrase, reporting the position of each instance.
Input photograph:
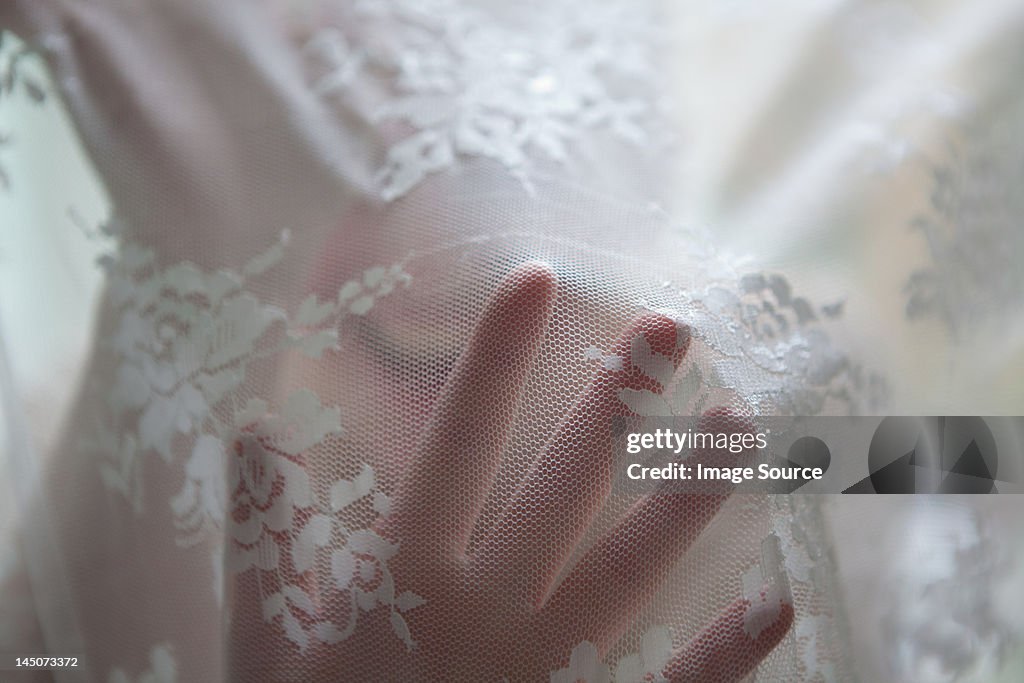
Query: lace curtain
(377, 274)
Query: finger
(737, 641)
(441, 497)
(616, 578)
(555, 504)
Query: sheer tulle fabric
(378, 277)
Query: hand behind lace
(501, 612)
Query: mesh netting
(368, 316)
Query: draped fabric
(377, 276)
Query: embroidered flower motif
(360, 565)
(469, 86)
(184, 341)
(645, 666)
(584, 665)
(16, 81)
(277, 525)
(162, 668)
(768, 345)
(181, 345)
(334, 63)
(973, 277)
(264, 484)
(266, 476)
(359, 569)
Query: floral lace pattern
(796, 538)
(769, 345)
(972, 231)
(772, 351)
(15, 82)
(162, 668)
(641, 667)
(947, 612)
(183, 342)
(469, 86)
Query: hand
(205, 166)
(500, 611)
